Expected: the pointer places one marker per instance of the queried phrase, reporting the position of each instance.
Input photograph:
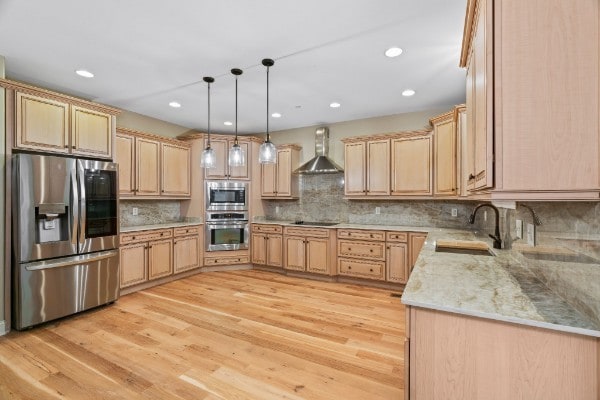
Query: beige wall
(131, 120)
(337, 131)
(5, 267)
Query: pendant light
(237, 158)
(267, 153)
(208, 159)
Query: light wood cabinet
(222, 169)
(187, 248)
(361, 253)
(366, 170)
(133, 261)
(523, 113)
(52, 122)
(397, 267)
(412, 165)
(151, 166)
(309, 249)
(416, 240)
(445, 176)
(267, 245)
(277, 179)
(453, 356)
(176, 173)
(160, 258)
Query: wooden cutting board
(463, 244)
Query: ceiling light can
(408, 93)
(228, 123)
(276, 115)
(84, 73)
(393, 52)
(335, 105)
(175, 104)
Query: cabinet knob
(370, 250)
(471, 176)
(371, 270)
(133, 238)
(73, 147)
(349, 267)
(388, 247)
(371, 235)
(66, 146)
(349, 248)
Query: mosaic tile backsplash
(150, 212)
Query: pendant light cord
(209, 114)
(268, 104)
(236, 109)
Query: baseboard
(3, 328)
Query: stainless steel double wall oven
(65, 236)
(226, 215)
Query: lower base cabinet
(309, 250)
(160, 258)
(133, 259)
(267, 242)
(187, 246)
(453, 356)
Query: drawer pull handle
(371, 235)
(371, 250)
(133, 238)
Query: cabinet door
(317, 255)
(411, 166)
(397, 262)
(91, 133)
(378, 168)
(125, 157)
(239, 172)
(274, 250)
(147, 167)
(175, 170)
(42, 124)
(469, 162)
(160, 258)
(415, 241)
(294, 253)
(133, 264)
(186, 254)
(284, 173)
(355, 169)
(259, 248)
(268, 183)
(221, 167)
(444, 141)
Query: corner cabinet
(222, 170)
(528, 137)
(278, 180)
(55, 123)
(151, 166)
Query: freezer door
(46, 290)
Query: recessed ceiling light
(84, 73)
(408, 93)
(174, 104)
(393, 52)
(228, 123)
(335, 105)
(276, 115)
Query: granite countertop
(502, 287)
(166, 225)
(347, 226)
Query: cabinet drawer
(145, 236)
(211, 261)
(361, 269)
(396, 236)
(355, 248)
(267, 228)
(361, 234)
(188, 230)
(313, 232)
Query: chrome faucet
(496, 235)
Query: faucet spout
(496, 235)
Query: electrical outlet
(519, 228)
(135, 211)
(455, 212)
(530, 235)
(277, 208)
(377, 210)
(485, 216)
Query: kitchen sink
(309, 223)
(472, 252)
(562, 257)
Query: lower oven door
(226, 236)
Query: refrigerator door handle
(82, 196)
(74, 207)
(75, 260)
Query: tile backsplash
(150, 212)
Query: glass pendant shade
(237, 156)
(267, 154)
(208, 159)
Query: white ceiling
(146, 53)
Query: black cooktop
(309, 223)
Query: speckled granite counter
(165, 225)
(502, 287)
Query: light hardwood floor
(219, 335)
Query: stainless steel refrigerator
(65, 237)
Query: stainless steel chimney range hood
(320, 163)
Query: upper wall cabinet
(152, 166)
(366, 170)
(412, 165)
(445, 162)
(277, 180)
(54, 123)
(533, 129)
(221, 146)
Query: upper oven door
(226, 195)
(99, 207)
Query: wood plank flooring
(218, 335)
